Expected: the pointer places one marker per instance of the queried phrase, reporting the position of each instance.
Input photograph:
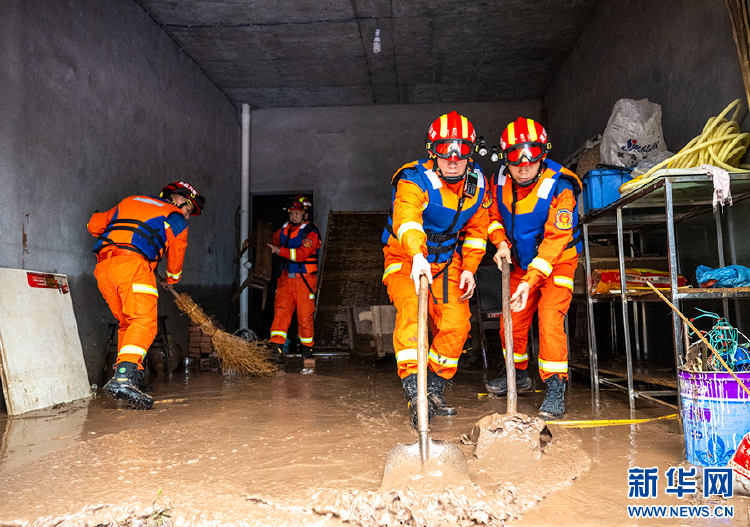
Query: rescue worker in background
(132, 238)
(297, 242)
(534, 225)
(437, 228)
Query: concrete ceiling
(274, 53)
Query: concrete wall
(98, 103)
(680, 54)
(677, 53)
(347, 155)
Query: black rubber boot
(553, 406)
(410, 391)
(307, 352)
(499, 386)
(124, 385)
(435, 385)
(278, 353)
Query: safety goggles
(447, 148)
(525, 153)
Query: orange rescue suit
(132, 237)
(298, 247)
(450, 319)
(550, 273)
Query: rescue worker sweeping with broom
(132, 238)
(437, 228)
(297, 242)
(534, 225)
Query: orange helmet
(451, 137)
(188, 191)
(298, 203)
(523, 142)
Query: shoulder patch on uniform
(487, 201)
(307, 242)
(564, 219)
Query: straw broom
(252, 358)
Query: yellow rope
(720, 144)
(607, 422)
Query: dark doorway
(270, 207)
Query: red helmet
(523, 142)
(299, 203)
(188, 191)
(451, 137)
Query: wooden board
(41, 359)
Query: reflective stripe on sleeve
(475, 243)
(311, 296)
(408, 226)
(391, 269)
(293, 254)
(442, 360)
(563, 281)
(553, 367)
(174, 276)
(407, 355)
(145, 289)
(495, 225)
(541, 264)
(132, 350)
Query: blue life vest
(309, 266)
(437, 218)
(525, 229)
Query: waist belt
(111, 253)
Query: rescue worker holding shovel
(437, 228)
(534, 225)
(297, 242)
(131, 239)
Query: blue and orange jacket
(539, 222)
(299, 246)
(425, 206)
(147, 226)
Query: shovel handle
(510, 365)
(422, 348)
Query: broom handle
(165, 285)
(691, 326)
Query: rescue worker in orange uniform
(297, 242)
(131, 239)
(534, 225)
(437, 228)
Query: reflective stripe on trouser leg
(451, 322)
(129, 287)
(521, 321)
(306, 308)
(283, 309)
(401, 292)
(553, 305)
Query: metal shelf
(674, 197)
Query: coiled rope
(720, 144)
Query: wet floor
(310, 450)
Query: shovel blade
(442, 452)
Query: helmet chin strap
(449, 180)
(533, 180)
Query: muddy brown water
(310, 450)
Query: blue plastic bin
(601, 186)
